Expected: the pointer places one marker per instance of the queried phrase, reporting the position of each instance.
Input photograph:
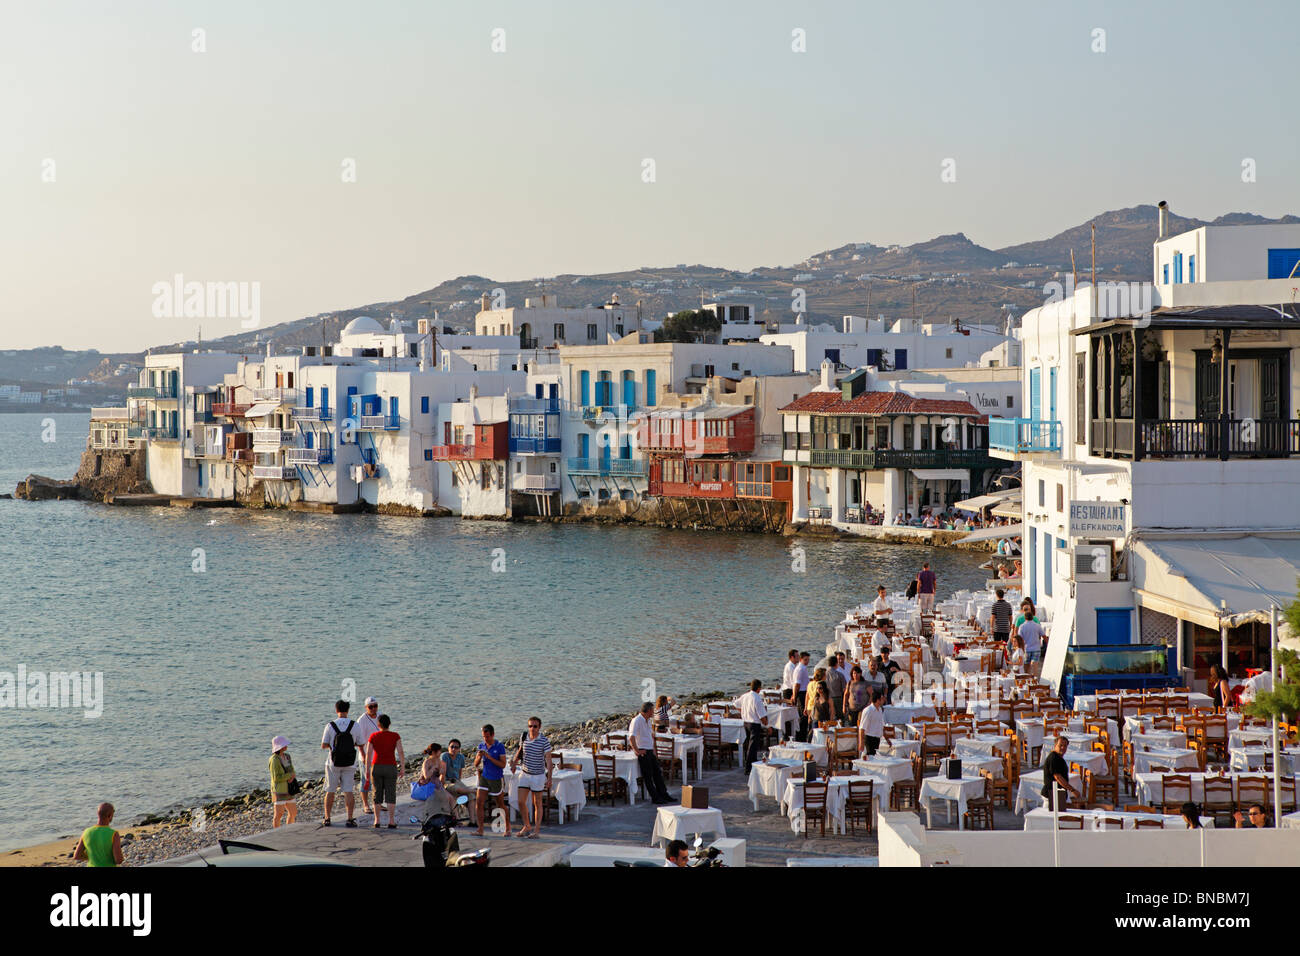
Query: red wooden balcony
(230, 409)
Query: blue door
(393, 416)
(1047, 565)
(537, 390)
(1035, 394)
(900, 359)
(324, 402)
(310, 396)
(629, 391)
(1051, 394)
(1114, 625)
(650, 388)
(552, 391)
(352, 411)
(1281, 262)
(586, 389)
(584, 446)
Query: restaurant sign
(1098, 519)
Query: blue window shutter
(1035, 393)
(585, 378)
(1051, 394)
(424, 404)
(1165, 267)
(1281, 262)
(310, 396)
(1191, 268)
(537, 390)
(650, 399)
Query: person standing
(367, 724)
(857, 695)
(1026, 611)
(881, 609)
(787, 675)
(843, 666)
(1001, 616)
(1056, 773)
(384, 762)
(925, 584)
(871, 726)
(283, 782)
(490, 762)
(100, 845)
(1219, 688)
(641, 736)
(753, 712)
(535, 782)
(342, 741)
(799, 685)
(1031, 633)
(835, 690)
(889, 668)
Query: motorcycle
(440, 845)
(705, 856)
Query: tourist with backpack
(342, 742)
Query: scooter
(440, 845)
(703, 856)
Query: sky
(338, 154)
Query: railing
(305, 414)
(274, 472)
(241, 456)
(157, 433)
(534, 406)
(385, 422)
(1024, 435)
(631, 467)
(593, 413)
(309, 456)
(527, 343)
(535, 446)
(141, 391)
(481, 452)
(754, 489)
(281, 396)
(271, 436)
(195, 449)
(106, 414)
(899, 458)
(1205, 438)
(113, 438)
(230, 409)
(537, 482)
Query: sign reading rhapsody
(1098, 519)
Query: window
(424, 404)
(1080, 396)
(428, 454)
(1165, 273)
(1011, 401)
(947, 353)
(1042, 493)
(735, 366)
(552, 467)
(1060, 498)
(559, 331)
(1191, 268)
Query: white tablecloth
(795, 751)
(675, 823)
(1150, 786)
(565, 784)
(684, 746)
(982, 744)
(769, 779)
(940, 788)
(899, 748)
(1180, 760)
(836, 795)
(972, 764)
(1256, 758)
(908, 713)
(1159, 739)
(1262, 734)
(1087, 703)
(1031, 785)
(890, 768)
(1041, 819)
(625, 767)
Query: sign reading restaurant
(1098, 519)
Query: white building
(903, 344)
(542, 323)
(1160, 454)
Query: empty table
(674, 823)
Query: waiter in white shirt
(642, 738)
(871, 725)
(800, 681)
(787, 675)
(754, 713)
(881, 609)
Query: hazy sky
(227, 165)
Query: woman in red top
(384, 761)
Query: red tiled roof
(878, 403)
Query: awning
(983, 501)
(261, 410)
(991, 534)
(941, 474)
(1215, 580)
(1010, 508)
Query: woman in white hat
(282, 775)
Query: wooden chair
(979, 810)
(617, 741)
(906, 794)
(860, 805)
(1109, 707)
(842, 747)
(1069, 822)
(814, 806)
(936, 739)
(1002, 788)
(669, 762)
(1215, 736)
(1175, 790)
(1151, 710)
(1103, 784)
(1167, 722)
(1148, 824)
(1286, 794)
(1253, 789)
(607, 781)
(1108, 823)
(994, 727)
(1142, 808)
(715, 750)
(1176, 702)
(1218, 798)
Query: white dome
(362, 325)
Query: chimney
(828, 371)
(1164, 219)
(483, 302)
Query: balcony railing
(535, 446)
(481, 452)
(141, 391)
(630, 467)
(281, 396)
(230, 409)
(594, 413)
(309, 456)
(900, 458)
(537, 482)
(108, 414)
(274, 473)
(241, 456)
(1024, 436)
(304, 414)
(1196, 438)
(387, 423)
(271, 436)
(195, 449)
(534, 406)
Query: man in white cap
(367, 724)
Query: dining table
(957, 791)
(890, 768)
(795, 751)
(837, 792)
(626, 767)
(1150, 786)
(677, 823)
(1175, 759)
(685, 747)
(1040, 818)
(1029, 793)
(768, 778)
(989, 745)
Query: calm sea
(200, 670)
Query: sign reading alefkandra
(1098, 519)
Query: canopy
(261, 409)
(978, 502)
(1010, 508)
(1215, 580)
(990, 534)
(941, 474)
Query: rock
(41, 488)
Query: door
(1035, 394)
(1207, 387)
(900, 359)
(1114, 625)
(1051, 394)
(324, 401)
(393, 417)
(584, 446)
(650, 388)
(585, 379)
(629, 391)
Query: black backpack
(912, 589)
(343, 751)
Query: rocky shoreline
(165, 836)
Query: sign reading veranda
(1098, 519)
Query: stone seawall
(102, 474)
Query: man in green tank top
(100, 845)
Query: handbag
(294, 787)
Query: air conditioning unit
(1091, 562)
